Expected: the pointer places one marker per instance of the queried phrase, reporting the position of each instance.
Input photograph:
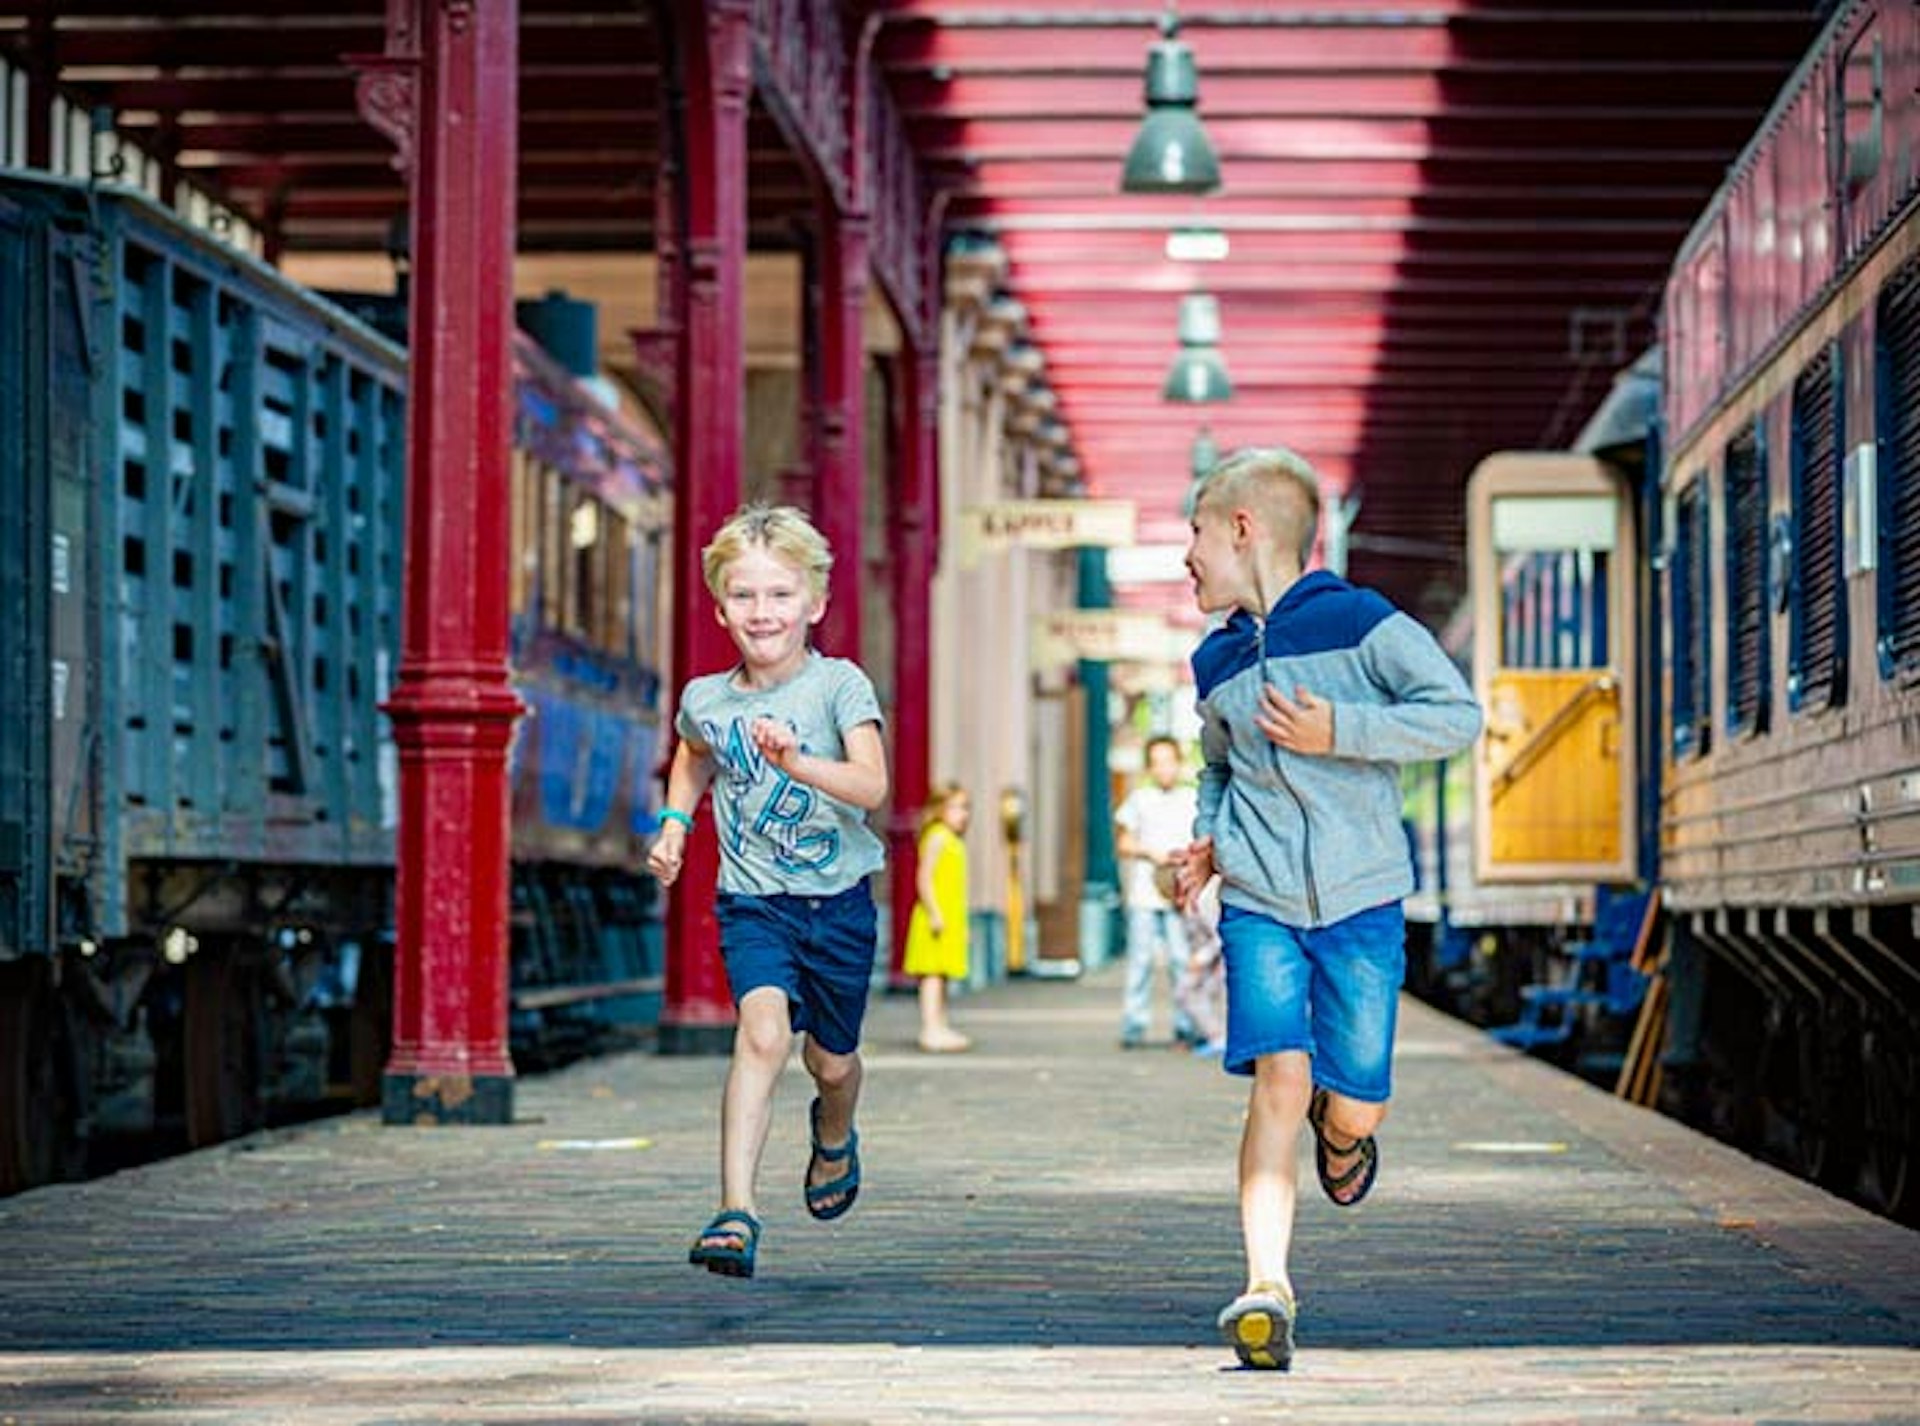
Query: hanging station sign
(1065, 636)
(1045, 525)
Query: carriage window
(1899, 494)
(551, 579)
(1748, 675)
(583, 532)
(1816, 672)
(1688, 599)
(525, 516)
(1553, 552)
(1862, 110)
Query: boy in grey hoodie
(1311, 695)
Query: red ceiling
(1424, 198)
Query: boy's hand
(1303, 725)
(1193, 869)
(777, 741)
(668, 853)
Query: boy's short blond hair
(1276, 484)
(783, 531)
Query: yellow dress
(946, 953)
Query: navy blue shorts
(820, 950)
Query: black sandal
(1364, 1171)
(846, 1187)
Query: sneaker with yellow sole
(1258, 1325)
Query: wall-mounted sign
(1045, 525)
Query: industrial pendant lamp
(1204, 457)
(1198, 374)
(1206, 453)
(1171, 153)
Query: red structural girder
(1454, 214)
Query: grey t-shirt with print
(779, 837)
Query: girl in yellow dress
(937, 930)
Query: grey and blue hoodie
(1305, 839)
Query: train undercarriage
(255, 1000)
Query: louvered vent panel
(1900, 572)
(1818, 611)
(1747, 672)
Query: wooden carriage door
(1551, 571)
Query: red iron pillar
(715, 50)
(916, 536)
(452, 707)
(840, 501)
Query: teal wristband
(674, 814)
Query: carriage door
(1551, 571)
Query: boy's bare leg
(1348, 1121)
(838, 1080)
(1269, 1163)
(761, 1042)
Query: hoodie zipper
(1306, 822)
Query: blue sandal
(846, 1187)
(733, 1259)
(1364, 1170)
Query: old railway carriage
(200, 544)
(1790, 815)
(1698, 642)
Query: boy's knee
(1283, 1083)
(1353, 1118)
(762, 1038)
(831, 1071)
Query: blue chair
(1600, 975)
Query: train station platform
(1046, 1232)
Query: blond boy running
(1312, 693)
(793, 740)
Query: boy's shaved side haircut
(783, 531)
(1277, 484)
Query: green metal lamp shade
(1171, 153)
(1206, 453)
(1198, 376)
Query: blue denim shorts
(1333, 991)
(820, 950)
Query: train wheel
(224, 1038)
(39, 1105)
(370, 1026)
(1890, 1076)
(1826, 1108)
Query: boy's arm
(860, 780)
(1433, 713)
(689, 776)
(687, 781)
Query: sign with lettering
(1045, 525)
(1104, 635)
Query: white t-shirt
(1160, 820)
